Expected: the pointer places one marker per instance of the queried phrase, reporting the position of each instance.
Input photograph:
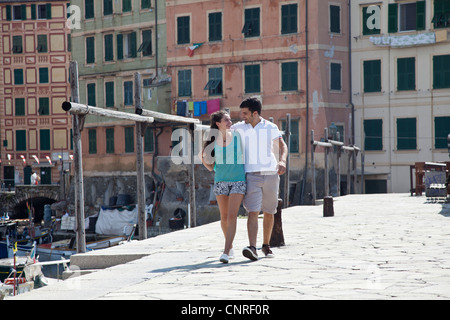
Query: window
(214, 85)
(17, 44)
(370, 25)
(184, 83)
(335, 76)
(406, 16)
(109, 50)
(109, 94)
(89, 9)
(107, 7)
(145, 4)
(289, 76)
(183, 33)
(406, 74)
(44, 11)
(406, 134)
(128, 93)
(126, 46)
(335, 19)
(18, 76)
(43, 75)
(129, 139)
(44, 139)
(251, 23)
(21, 140)
(146, 46)
(215, 26)
(126, 5)
(295, 142)
(372, 76)
(289, 18)
(44, 106)
(41, 43)
(441, 131)
(91, 96)
(252, 79)
(441, 18)
(148, 140)
(92, 141)
(90, 50)
(19, 107)
(109, 140)
(373, 135)
(441, 72)
(19, 12)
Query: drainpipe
(350, 69)
(305, 170)
(156, 39)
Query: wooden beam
(165, 116)
(76, 108)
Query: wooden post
(287, 134)
(328, 206)
(326, 176)
(140, 187)
(77, 127)
(192, 206)
(277, 237)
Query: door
(46, 175)
(8, 176)
(27, 175)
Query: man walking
(265, 160)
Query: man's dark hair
(253, 104)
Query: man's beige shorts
(262, 192)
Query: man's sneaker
(266, 250)
(224, 258)
(250, 253)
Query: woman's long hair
(214, 129)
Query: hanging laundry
(213, 105)
(181, 108)
(197, 109)
(203, 107)
(191, 105)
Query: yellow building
(35, 53)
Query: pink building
(294, 54)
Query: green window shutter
(8, 13)
(393, 18)
(18, 76)
(441, 72)
(42, 43)
(146, 46)
(109, 50)
(21, 140)
(43, 75)
(33, 11)
(44, 139)
(420, 15)
(110, 140)
(23, 8)
(44, 106)
(126, 5)
(406, 74)
(252, 22)
(129, 139)
(107, 7)
(48, 10)
(184, 83)
(183, 34)
(366, 30)
(335, 19)
(17, 44)
(289, 76)
(91, 94)
(406, 134)
(441, 131)
(335, 76)
(88, 9)
(215, 26)
(145, 4)
(109, 92)
(149, 144)
(19, 107)
(372, 76)
(252, 79)
(128, 93)
(373, 135)
(289, 18)
(92, 141)
(133, 48)
(119, 47)
(90, 50)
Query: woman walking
(222, 153)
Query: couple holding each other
(245, 157)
